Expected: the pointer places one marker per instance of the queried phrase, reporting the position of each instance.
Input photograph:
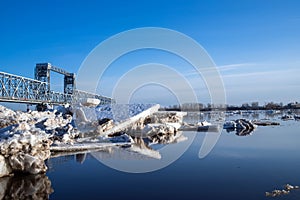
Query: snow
(25, 139)
(26, 151)
(5, 168)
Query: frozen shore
(28, 138)
(25, 140)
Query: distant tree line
(244, 106)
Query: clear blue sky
(255, 43)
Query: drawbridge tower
(42, 73)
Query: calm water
(238, 167)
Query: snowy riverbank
(28, 138)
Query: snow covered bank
(25, 152)
(25, 139)
(28, 138)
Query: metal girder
(42, 73)
(59, 70)
(19, 89)
(79, 94)
(69, 83)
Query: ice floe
(287, 189)
(242, 127)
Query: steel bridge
(19, 89)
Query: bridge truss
(19, 89)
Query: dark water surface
(238, 167)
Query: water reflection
(140, 150)
(266, 161)
(80, 158)
(25, 187)
(240, 132)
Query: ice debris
(25, 152)
(287, 189)
(241, 126)
(161, 127)
(121, 112)
(25, 139)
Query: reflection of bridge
(19, 89)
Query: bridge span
(20, 89)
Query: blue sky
(254, 43)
